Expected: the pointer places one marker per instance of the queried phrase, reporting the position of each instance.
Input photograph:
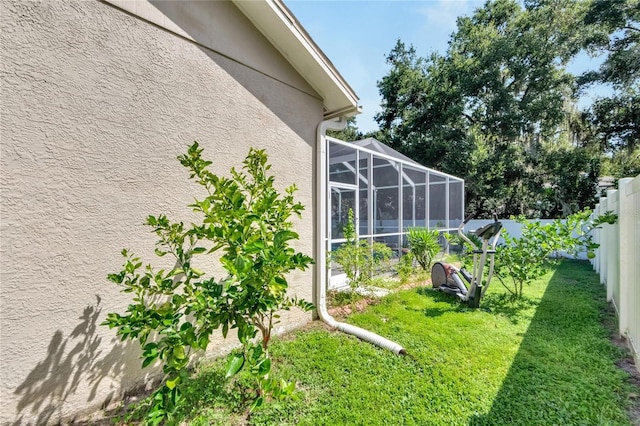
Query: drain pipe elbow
(321, 247)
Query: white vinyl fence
(618, 257)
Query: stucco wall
(96, 104)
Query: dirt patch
(409, 286)
(115, 413)
(361, 305)
(628, 365)
(346, 310)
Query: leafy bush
(405, 267)
(527, 257)
(424, 245)
(358, 259)
(174, 312)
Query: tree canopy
(616, 118)
(499, 107)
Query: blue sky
(356, 35)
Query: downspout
(321, 247)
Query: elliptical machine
(468, 287)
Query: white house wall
(96, 105)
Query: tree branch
(468, 117)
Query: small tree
(359, 259)
(424, 245)
(174, 312)
(527, 257)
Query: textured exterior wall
(96, 105)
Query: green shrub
(424, 245)
(527, 257)
(358, 259)
(174, 312)
(405, 267)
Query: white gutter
(321, 248)
(278, 25)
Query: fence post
(613, 258)
(626, 253)
(595, 262)
(603, 246)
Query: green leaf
(257, 403)
(171, 384)
(277, 285)
(190, 338)
(264, 367)
(283, 236)
(235, 364)
(144, 281)
(116, 278)
(203, 342)
(240, 264)
(304, 305)
(148, 361)
(197, 272)
(178, 352)
(174, 272)
(289, 388)
(225, 329)
(149, 347)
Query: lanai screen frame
(397, 185)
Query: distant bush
(524, 259)
(424, 245)
(358, 259)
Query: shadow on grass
(451, 303)
(211, 389)
(506, 305)
(438, 296)
(499, 303)
(564, 371)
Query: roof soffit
(280, 27)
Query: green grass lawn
(545, 360)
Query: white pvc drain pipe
(321, 249)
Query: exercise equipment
(469, 287)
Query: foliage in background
(482, 110)
(526, 258)
(499, 108)
(349, 134)
(424, 245)
(358, 259)
(463, 249)
(614, 31)
(565, 191)
(174, 312)
(404, 268)
(623, 164)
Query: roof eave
(276, 22)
